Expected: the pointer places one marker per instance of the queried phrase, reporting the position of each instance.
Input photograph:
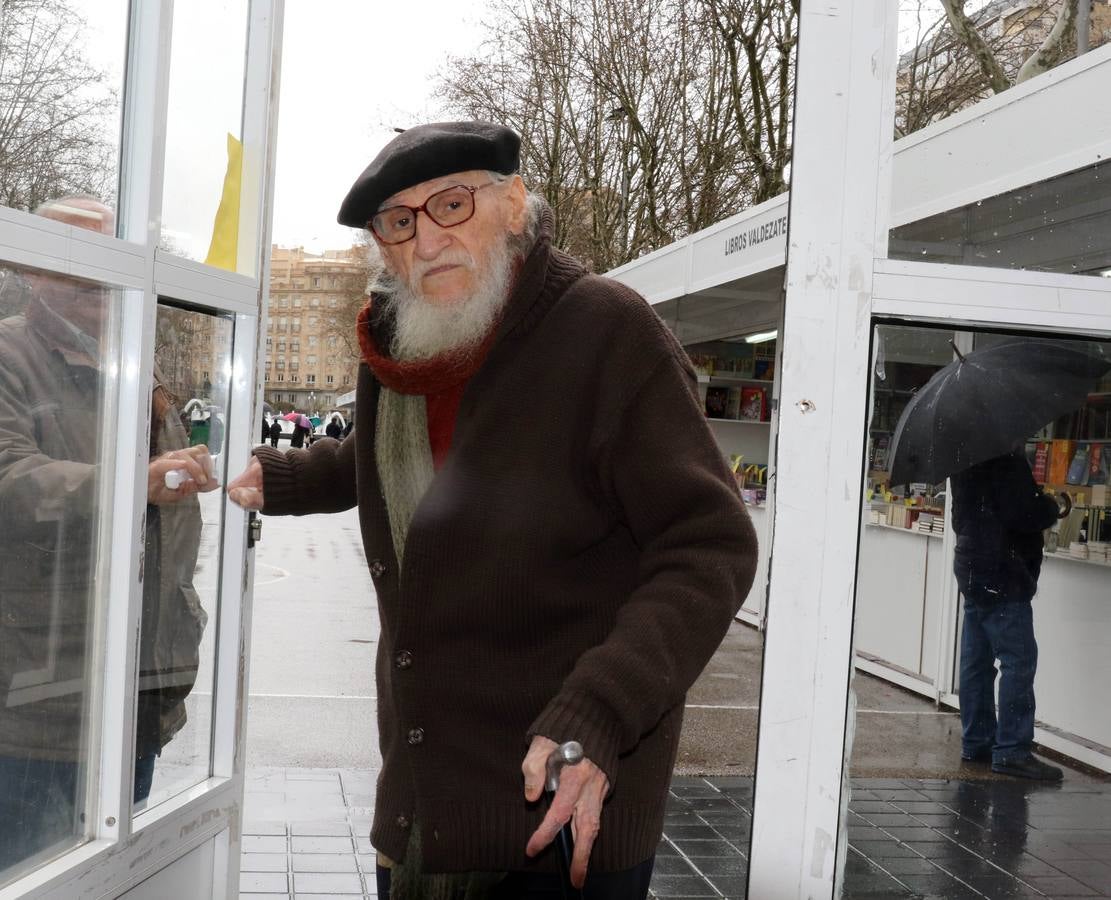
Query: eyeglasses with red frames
(447, 208)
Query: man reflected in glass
(999, 514)
(52, 383)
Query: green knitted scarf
(405, 470)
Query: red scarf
(441, 380)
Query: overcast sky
(351, 72)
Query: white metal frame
(125, 849)
(839, 283)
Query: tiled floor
(908, 838)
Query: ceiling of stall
(737, 308)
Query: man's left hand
(582, 788)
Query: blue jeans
(1002, 630)
(629, 884)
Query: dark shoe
(980, 756)
(1030, 767)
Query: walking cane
(568, 754)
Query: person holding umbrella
(556, 542)
(999, 514)
(969, 423)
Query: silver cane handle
(568, 754)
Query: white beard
(425, 330)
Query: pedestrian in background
(275, 432)
(555, 540)
(999, 514)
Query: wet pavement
(908, 838)
(921, 824)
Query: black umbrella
(987, 403)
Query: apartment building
(313, 298)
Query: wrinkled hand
(193, 461)
(582, 789)
(246, 490)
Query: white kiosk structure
(726, 283)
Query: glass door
(129, 364)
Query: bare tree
(641, 120)
(959, 57)
(339, 333)
(56, 109)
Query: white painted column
(840, 176)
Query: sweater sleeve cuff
(578, 717)
(279, 481)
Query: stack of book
(931, 523)
(1097, 551)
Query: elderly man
(557, 544)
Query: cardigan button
(402, 821)
(416, 736)
(404, 659)
(377, 569)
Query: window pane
(181, 585)
(940, 73)
(205, 113)
(1061, 225)
(982, 625)
(61, 81)
(57, 416)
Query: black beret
(424, 152)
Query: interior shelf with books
(735, 379)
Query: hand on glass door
(246, 490)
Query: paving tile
(263, 844)
(696, 849)
(672, 865)
(263, 862)
(264, 882)
(324, 862)
(1061, 886)
(320, 829)
(909, 866)
(259, 827)
(321, 844)
(327, 883)
(721, 865)
(681, 886)
(730, 886)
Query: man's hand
(192, 461)
(582, 789)
(246, 490)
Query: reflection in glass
(950, 61)
(982, 622)
(61, 77)
(205, 111)
(181, 587)
(1059, 225)
(55, 443)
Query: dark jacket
(573, 566)
(334, 430)
(297, 439)
(999, 515)
(275, 430)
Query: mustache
(450, 257)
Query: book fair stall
(721, 289)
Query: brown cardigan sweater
(574, 565)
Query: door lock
(254, 529)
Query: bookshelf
(726, 379)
